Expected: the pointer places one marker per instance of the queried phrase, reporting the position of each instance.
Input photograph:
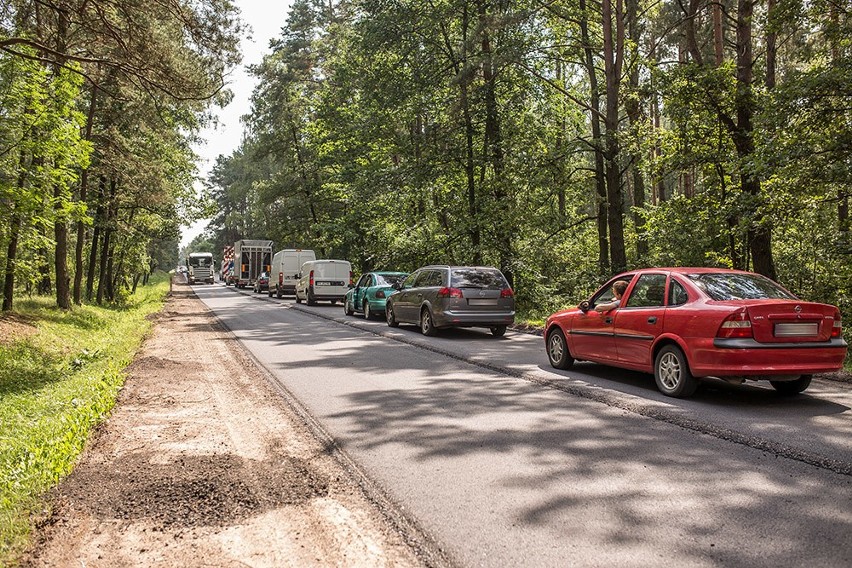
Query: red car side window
(677, 293)
(649, 291)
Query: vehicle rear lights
(450, 293)
(507, 293)
(736, 326)
(311, 279)
(351, 280)
(380, 294)
(837, 328)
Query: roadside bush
(59, 378)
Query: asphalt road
(505, 461)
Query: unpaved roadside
(203, 463)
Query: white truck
(200, 267)
(285, 270)
(251, 257)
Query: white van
(323, 280)
(285, 270)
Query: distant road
(508, 462)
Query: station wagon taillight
(507, 293)
(736, 326)
(836, 329)
(380, 294)
(450, 293)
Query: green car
(371, 292)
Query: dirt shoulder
(203, 463)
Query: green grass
(56, 385)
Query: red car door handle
(652, 319)
(607, 320)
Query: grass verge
(60, 373)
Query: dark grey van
(437, 297)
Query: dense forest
(559, 140)
(100, 102)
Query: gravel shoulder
(204, 463)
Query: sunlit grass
(57, 382)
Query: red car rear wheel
(672, 374)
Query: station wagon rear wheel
(390, 318)
(789, 388)
(347, 308)
(672, 374)
(367, 313)
(557, 350)
(498, 330)
(427, 326)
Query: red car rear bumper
(747, 357)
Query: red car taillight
(311, 279)
(507, 293)
(736, 326)
(380, 294)
(837, 328)
(450, 293)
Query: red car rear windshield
(725, 286)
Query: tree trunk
(102, 272)
(613, 59)
(96, 236)
(60, 260)
(106, 248)
(11, 258)
(45, 282)
(759, 233)
(81, 226)
(718, 34)
(109, 279)
(470, 163)
(494, 153)
(600, 176)
(15, 223)
(771, 49)
(637, 118)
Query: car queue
(678, 324)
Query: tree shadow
(569, 479)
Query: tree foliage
(559, 141)
(101, 101)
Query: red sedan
(684, 323)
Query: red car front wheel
(557, 350)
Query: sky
(266, 18)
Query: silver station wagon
(436, 297)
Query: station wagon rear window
(724, 286)
(477, 278)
